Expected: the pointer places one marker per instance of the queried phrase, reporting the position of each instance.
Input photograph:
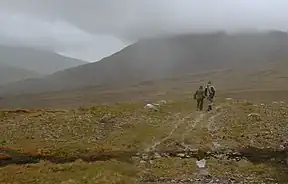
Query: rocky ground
(238, 142)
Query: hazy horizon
(101, 28)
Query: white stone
(255, 116)
(149, 106)
(182, 155)
(162, 102)
(201, 163)
(157, 156)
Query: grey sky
(91, 29)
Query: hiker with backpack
(210, 94)
(199, 96)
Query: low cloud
(71, 24)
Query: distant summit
(158, 58)
(40, 61)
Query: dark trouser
(200, 104)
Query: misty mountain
(40, 61)
(158, 58)
(9, 74)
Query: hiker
(199, 96)
(210, 94)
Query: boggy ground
(241, 142)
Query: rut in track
(157, 143)
(199, 117)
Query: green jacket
(199, 94)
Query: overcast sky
(92, 29)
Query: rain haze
(143, 91)
(92, 29)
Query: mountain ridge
(37, 60)
(10, 74)
(158, 58)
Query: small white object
(182, 155)
(157, 156)
(282, 147)
(162, 102)
(149, 106)
(255, 116)
(156, 104)
(201, 163)
(218, 108)
(145, 157)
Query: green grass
(130, 127)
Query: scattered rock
(218, 108)
(216, 145)
(181, 155)
(151, 106)
(228, 99)
(201, 163)
(284, 145)
(161, 102)
(155, 106)
(157, 156)
(254, 116)
(142, 162)
(204, 172)
(145, 157)
(106, 119)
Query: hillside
(9, 74)
(238, 142)
(40, 61)
(158, 58)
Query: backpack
(210, 91)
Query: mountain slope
(158, 58)
(240, 142)
(9, 74)
(44, 62)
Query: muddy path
(254, 155)
(13, 157)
